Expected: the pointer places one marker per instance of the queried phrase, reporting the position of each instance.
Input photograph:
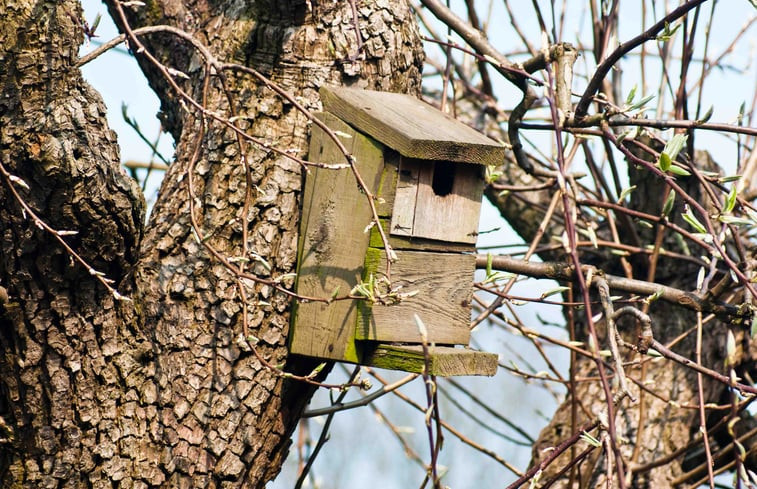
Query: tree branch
(563, 271)
(623, 49)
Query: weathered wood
(403, 213)
(442, 360)
(442, 302)
(411, 243)
(430, 209)
(411, 126)
(333, 246)
(452, 217)
(388, 185)
(425, 210)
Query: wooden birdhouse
(427, 172)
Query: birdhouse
(426, 171)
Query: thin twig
(565, 272)
(609, 62)
(324, 436)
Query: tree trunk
(161, 390)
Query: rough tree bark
(158, 391)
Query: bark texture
(160, 392)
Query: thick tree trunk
(161, 391)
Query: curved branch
(623, 49)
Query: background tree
(144, 355)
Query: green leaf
(489, 260)
(624, 135)
(313, 373)
(669, 204)
(700, 278)
(728, 179)
(670, 153)
(705, 117)
(497, 277)
(95, 23)
(641, 103)
(736, 221)
(664, 162)
(631, 95)
(677, 170)
(590, 440)
(730, 349)
(626, 192)
(675, 145)
(335, 293)
(690, 218)
(668, 33)
(730, 202)
(556, 290)
(655, 296)
(492, 173)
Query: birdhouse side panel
(388, 186)
(333, 242)
(436, 287)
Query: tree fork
(161, 391)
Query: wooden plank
(420, 244)
(452, 217)
(443, 361)
(443, 299)
(388, 185)
(411, 126)
(333, 243)
(403, 213)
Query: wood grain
(333, 243)
(411, 126)
(444, 293)
(442, 360)
(421, 213)
(420, 244)
(403, 213)
(452, 217)
(388, 186)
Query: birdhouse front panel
(434, 286)
(425, 172)
(438, 200)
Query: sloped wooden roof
(410, 126)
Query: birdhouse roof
(411, 127)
